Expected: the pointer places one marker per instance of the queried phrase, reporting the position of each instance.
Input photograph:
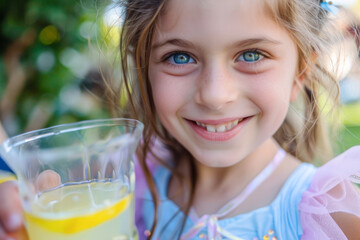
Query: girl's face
(222, 75)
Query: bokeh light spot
(49, 35)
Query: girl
(228, 92)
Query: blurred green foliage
(46, 63)
(348, 136)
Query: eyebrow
(253, 41)
(176, 41)
(242, 43)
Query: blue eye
(250, 56)
(180, 58)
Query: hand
(11, 214)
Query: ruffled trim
(331, 191)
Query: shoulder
(289, 198)
(298, 180)
(330, 207)
(348, 223)
(144, 206)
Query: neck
(225, 182)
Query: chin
(217, 160)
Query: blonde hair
(308, 25)
(314, 33)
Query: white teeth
(210, 128)
(201, 124)
(233, 124)
(220, 128)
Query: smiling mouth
(220, 128)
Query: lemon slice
(83, 222)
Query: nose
(217, 87)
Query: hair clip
(329, 7)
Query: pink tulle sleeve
(331, 190)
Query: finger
(48, 179)
(3, 236)
(11, 216)
(21, 234)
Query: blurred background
(53, 55)
(52, 58)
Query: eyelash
(262, 55)
(167, 57)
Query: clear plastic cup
(76, 181)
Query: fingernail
(13, 222)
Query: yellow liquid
(87, 211)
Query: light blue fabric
(4, 166)
(281, 216)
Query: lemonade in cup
(76, 181)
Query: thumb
(48, 179)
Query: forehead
(210, 18)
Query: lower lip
(218, 136)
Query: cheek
(274, 112)
(273, 96)
(158, 91)
(167, 93)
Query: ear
(299, 80)
(297, 85)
